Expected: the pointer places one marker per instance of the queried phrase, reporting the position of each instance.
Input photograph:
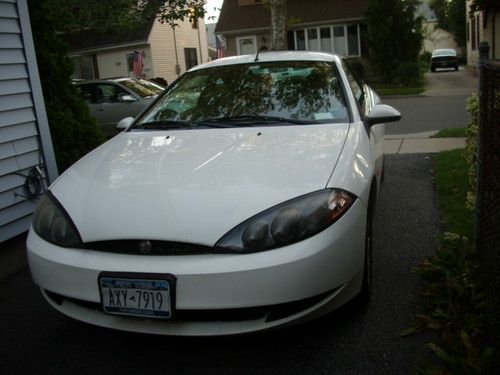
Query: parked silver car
(111, 100)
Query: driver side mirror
(126, 98)
(124, 123)
(382, 113)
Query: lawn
(384, 89)
(451, 174)
(450, 133)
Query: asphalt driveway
(37, 340)
(441, 106)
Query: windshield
(291, 92)
(142, 87)
(444, 52)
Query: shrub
(471, 133)
(408, 74)
(455, 307)
(425, 57)
(73, 130)
(358, 68)
(395, 34)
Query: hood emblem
(145, 247)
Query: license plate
(137, 295)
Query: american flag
(220, 46)
(138, 63)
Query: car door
(109, 109)
(95, 100)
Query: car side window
(356, 87)
(85, 92)
(108, 93)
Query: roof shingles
(92, 39)
(234, 17)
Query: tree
(74, 132)
(278, 25)
(451, 17)
(395, 35)
(73, 15)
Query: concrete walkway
(412, 144)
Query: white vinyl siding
(20, 118)
(166, 54)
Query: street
(38, 340)
(441, 106)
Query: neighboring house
(25, 143)
(435, 37)
(483, 26)
(167, 51)
(318, 25)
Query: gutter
(107, 47)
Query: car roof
(444, 51)
(119, 79)
(270, 57)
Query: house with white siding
(27, 162)
(167, 51)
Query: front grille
(143, 247)
(271, 312)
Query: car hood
(194, 185)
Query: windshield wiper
(174, 124)
(251, 120)
(164, 124)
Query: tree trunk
(278, 25)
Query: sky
(211, 4)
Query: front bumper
(325, 269)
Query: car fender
(355, 167)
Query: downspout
(177, 66)
(199, 43)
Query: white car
(241, 200)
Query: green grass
(400, 91)
(451, 174)
(450, 133)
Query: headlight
(289, 222)
(52, 223)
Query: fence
(488, 191)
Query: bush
(358, 68)
(73, 130)
(455, 307)
(408, 74)
(395, 33)
(425, 57)
(424, 60)
(471, 133)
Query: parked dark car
(444, 58)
